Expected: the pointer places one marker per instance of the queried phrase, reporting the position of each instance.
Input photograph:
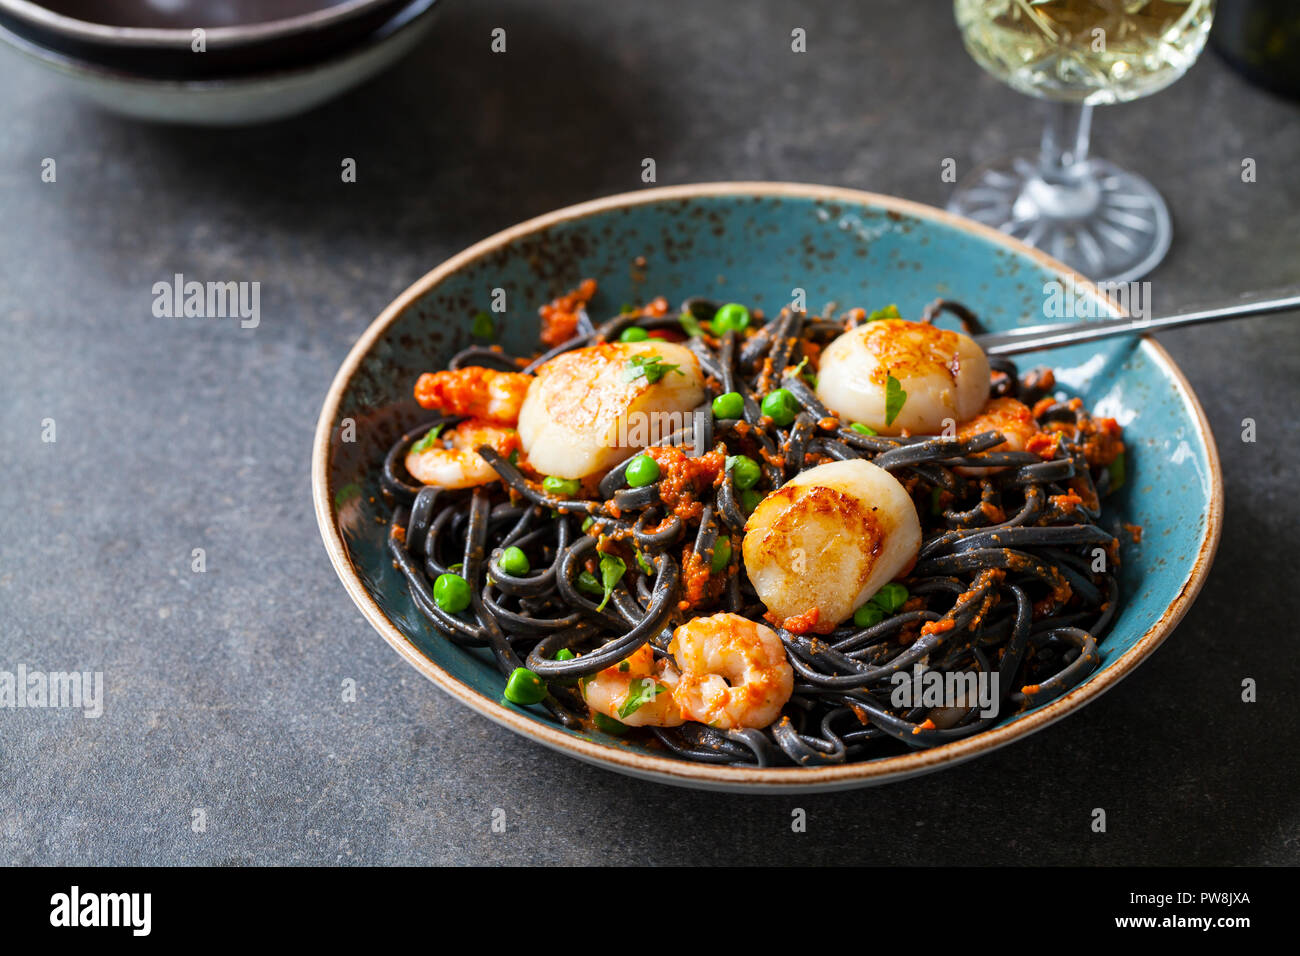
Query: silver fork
(1032, 337)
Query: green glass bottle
(1260, 39)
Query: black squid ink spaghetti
(761, 541)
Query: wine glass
(1107, 223)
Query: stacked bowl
(213, 62)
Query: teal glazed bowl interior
(755, 243)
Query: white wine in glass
(1105, 222)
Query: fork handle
(1036, 337)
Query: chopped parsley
(1116, 471)
(652, 366)
(888, 312)
(640, 692)
(690, 324)
(807, 374)
(612, 570)
(427, 442)
(895, 398)
(587, 583)
(346, 494)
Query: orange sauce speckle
(1043, 445)
(560, 316)
(1067, 502)
(682, 477)
(803, 623)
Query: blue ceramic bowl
(755, 242)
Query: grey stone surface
(223, 687)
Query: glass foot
(1109, 224)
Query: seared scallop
(589, 409)
(943, 377)
(822, 544)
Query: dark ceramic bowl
(238, 99)
(754, 242)
(153, 39)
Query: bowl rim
(768, 779)
(163, 37)
(69, 64)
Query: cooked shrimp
(944, 374)
(589, 409)
(453, 462)
(637, 691)
(734, 672)
(1006, 415)
(475, 391)
(822, 544)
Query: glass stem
(1065, 142)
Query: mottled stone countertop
(222, 689)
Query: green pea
(514, 561)
(749, 499)
(781, 406)
(561, 487)
(868, 615)
(721, 555)
(745, 472)
(731, 317)
(587, 582)
(642, 470)
(891, 597)
(729, 405)
(451, 593)
(862, 429)
(634, 334)
(525, 687)
(564, 654)
(608, 724)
